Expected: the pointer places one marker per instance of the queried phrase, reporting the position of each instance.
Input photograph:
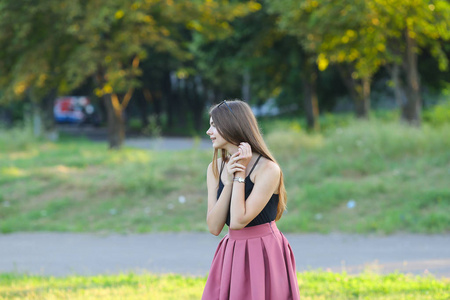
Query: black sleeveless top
(269, 212)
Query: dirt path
(191, 253)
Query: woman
(246, 192)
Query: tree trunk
(362, 104)
(411, 110)
(359, 91)
(43, 118)
(47, 104)
(310, 99)
(114, 114)
(116, 124)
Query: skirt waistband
(253, 231)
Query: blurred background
(353, 98)
(104, 108)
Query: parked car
(75, 110)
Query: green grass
(313, 285)
(396, 176)
(77, 185)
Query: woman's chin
(217, 146)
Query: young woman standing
(246, 192)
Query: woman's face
(218, 141)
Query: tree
(102, 39)
(341, 33)
(292, 18)
(361, 36)
(409, 27)
(33, 45)
(111, 39)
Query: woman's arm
(217, 208)
(244, 211)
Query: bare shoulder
(218, 163)
(272, 167)
(268, 175)
(269, 168)
(210, 173)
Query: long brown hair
(235, 122)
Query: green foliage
(363, 32)
(427, 23)
(438, 115)
(32, 43)
(135, 124)
(360, 37)
(59, 45)
(248, 51)
(313, 285)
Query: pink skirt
(253, 263)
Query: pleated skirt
(253, 263)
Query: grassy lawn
(313, 285)
(361, 177)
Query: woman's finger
(245, 148)
(236, 170)
(234, 155)
(249, 149)
(238, 165)
(234, 159)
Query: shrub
(438, 115)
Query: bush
(438, 115)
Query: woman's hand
(245, 154)
(232, 167)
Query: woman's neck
(232, 149)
